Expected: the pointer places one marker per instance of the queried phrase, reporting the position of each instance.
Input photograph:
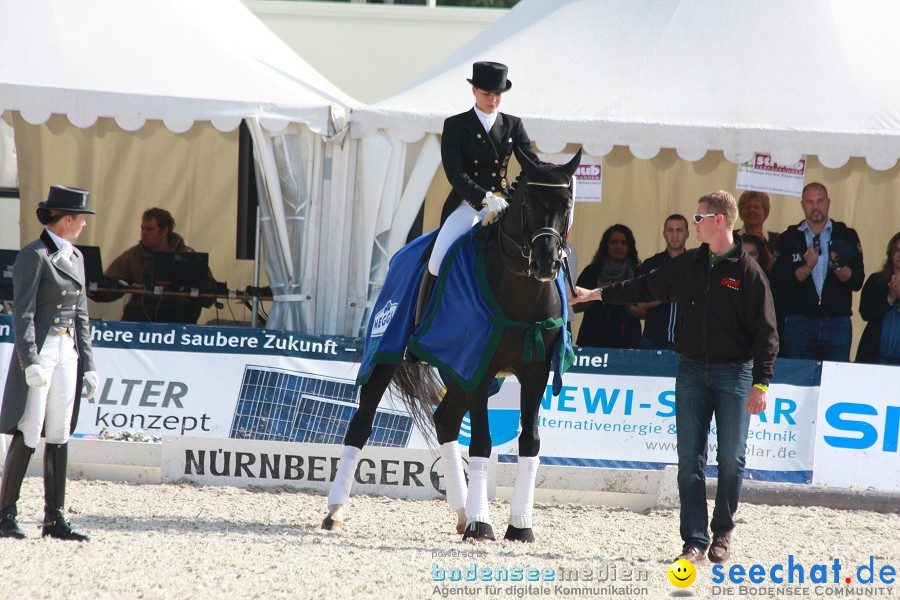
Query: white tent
(187, 61)
(179, 61)
(792, 78)
(709, 80)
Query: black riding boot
(425, 288)
(17, 457)
(56, 458)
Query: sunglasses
(699, 217)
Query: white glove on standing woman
(93, 382)
(35, 376)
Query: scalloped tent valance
(178, 61)
(807, 77)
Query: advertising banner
(616, 408)
(622, 415)
(223, 382)
(762, 174)
(858, 427)
(392, 472)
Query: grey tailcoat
(47, 292)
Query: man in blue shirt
(818, 265)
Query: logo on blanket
(382, 318)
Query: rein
(525, 249)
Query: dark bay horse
(522, 259)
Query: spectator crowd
(815, 270)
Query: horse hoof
(514, 534)
(329, 524)
(461, 520)
(479, 532)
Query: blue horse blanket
(458, 336)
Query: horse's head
(544, 199)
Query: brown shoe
(693, 554)
(720, 549)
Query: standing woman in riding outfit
(476, 147)
(52, 356)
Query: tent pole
(255, 306)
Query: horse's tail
(420, 389)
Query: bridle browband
(525, 250)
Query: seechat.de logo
(682, 573)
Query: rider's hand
(494, 204)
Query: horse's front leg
(358, 432)
(447, 420)
(478, 526)
(521, 503)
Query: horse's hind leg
(447, 420)
(521, 503)
(478, 522)
(358, 433)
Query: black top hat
(490, 77)
(68, 199)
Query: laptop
(93, 266)
(180, 270)
(7, 259)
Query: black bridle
(525, 248)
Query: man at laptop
(135, 266)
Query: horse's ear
(570, 167)
(528, 165)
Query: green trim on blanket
(379, 358)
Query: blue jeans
(814, 338)
(702, 390)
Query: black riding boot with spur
(17, 457)
(56, 458)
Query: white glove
(494, 204)
(93, 382)
(35, 376)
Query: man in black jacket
(818, 265)
(661, 318)
(727, 340)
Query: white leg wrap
(343, 480)
(454, 477)
(521, 503)
(476, 503)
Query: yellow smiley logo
(682, 573)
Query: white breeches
(461, 220)
(51, 406)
